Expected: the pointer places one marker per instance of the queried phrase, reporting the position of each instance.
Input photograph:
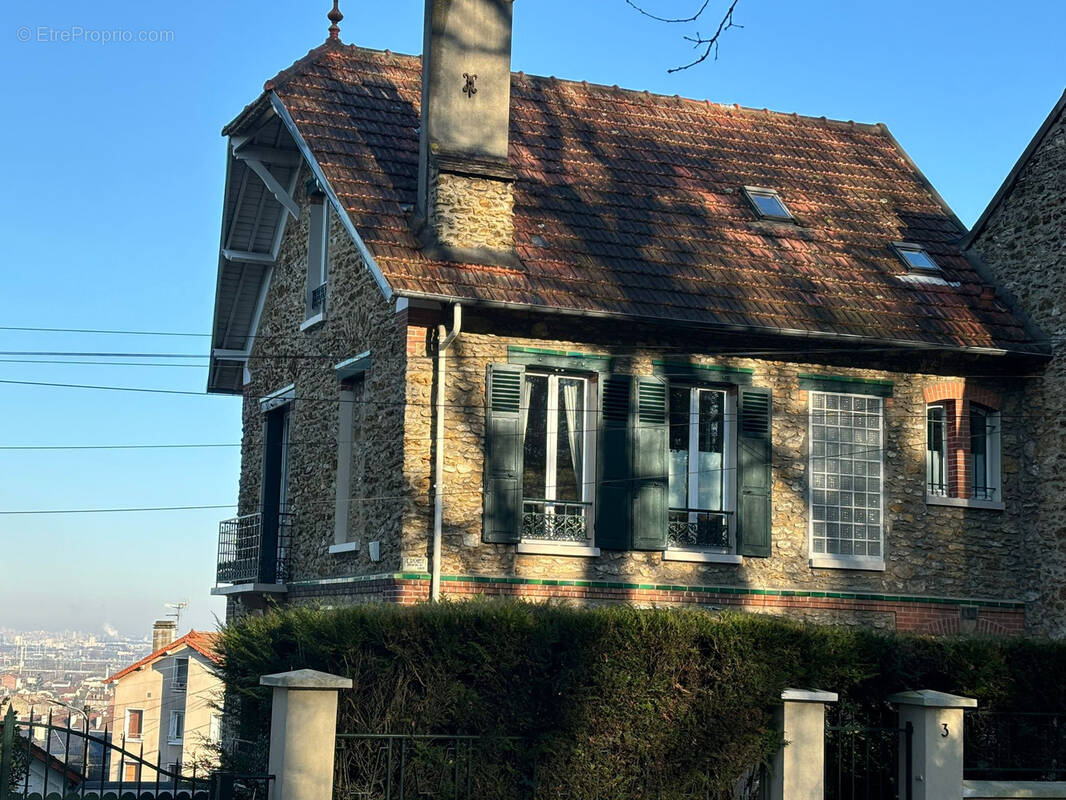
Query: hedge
(619, 702)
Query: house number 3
(946, 733)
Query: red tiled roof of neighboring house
(203, 643)
(629, 203)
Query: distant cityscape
(64, 672)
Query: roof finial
(334, 17)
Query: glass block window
(847, 437)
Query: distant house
(9, 682)
(166, 708)
(513, 335)
(1020, 241)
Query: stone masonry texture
(971, 556)
(1024, 245)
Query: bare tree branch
(709, 44)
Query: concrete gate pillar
(798, 772)
(936, 766)
(303, 733)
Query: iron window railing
(694, 528)
(241, 543)
(555, 520)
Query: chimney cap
(335, 16)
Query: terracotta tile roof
(203, 643)
(630, 203)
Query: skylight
(767, 203)
(915, 256)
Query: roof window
(915, 256)
(767, 203)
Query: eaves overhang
(265, 155)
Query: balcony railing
(250, 552)
(555, 521)
(695, 529)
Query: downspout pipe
(444, 341)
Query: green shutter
(754, 477)
(613, 487)
(650, 469)
(503, 454)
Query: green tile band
(844, 384)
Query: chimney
(465, 181)
(164, 631)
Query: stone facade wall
(1024, 245)
(357, 319)
(470, 212)
(931, 550)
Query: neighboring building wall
(358, 319)
(1024, 245)
(153, 690)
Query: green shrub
(620, 703)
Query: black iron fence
(393, 766)
(40, 760)
(1014, 745)
(250, 550)
(862, 760)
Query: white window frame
(993, 476)
(946, 467)
(544, 546)
(126, 727)
(317, 259)
(729, 483)
(214, 730)
(837, 560)
(901, 248)
(174, 736)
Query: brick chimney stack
(164, 631)
(465, 186)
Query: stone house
(1021, 240)
(166, 708)
(510, 335)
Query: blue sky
(113, 190)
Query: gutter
(443, 343)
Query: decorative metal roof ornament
(335, 16)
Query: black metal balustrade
(863, 757)
(691, 528)
(1014, 745)
(253, 549)
(43, 760)
(555, 521)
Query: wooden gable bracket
(251, 158)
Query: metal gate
(44, 761)
(863, 761)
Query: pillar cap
(808, 696)
(305, 679)
(927, 698)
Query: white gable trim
(360, 245)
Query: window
(846, 471)
(914, 256)
(984, 453)
(131, 772)
(962, 448)
(557, 450)
(350, 473)
(767, 203)
(317, 252)
(214, 735)
(181, 674)
(175, 768)
(134, 723)
(700, 469)
(936, 451)
(576, 462)
(176, 730)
